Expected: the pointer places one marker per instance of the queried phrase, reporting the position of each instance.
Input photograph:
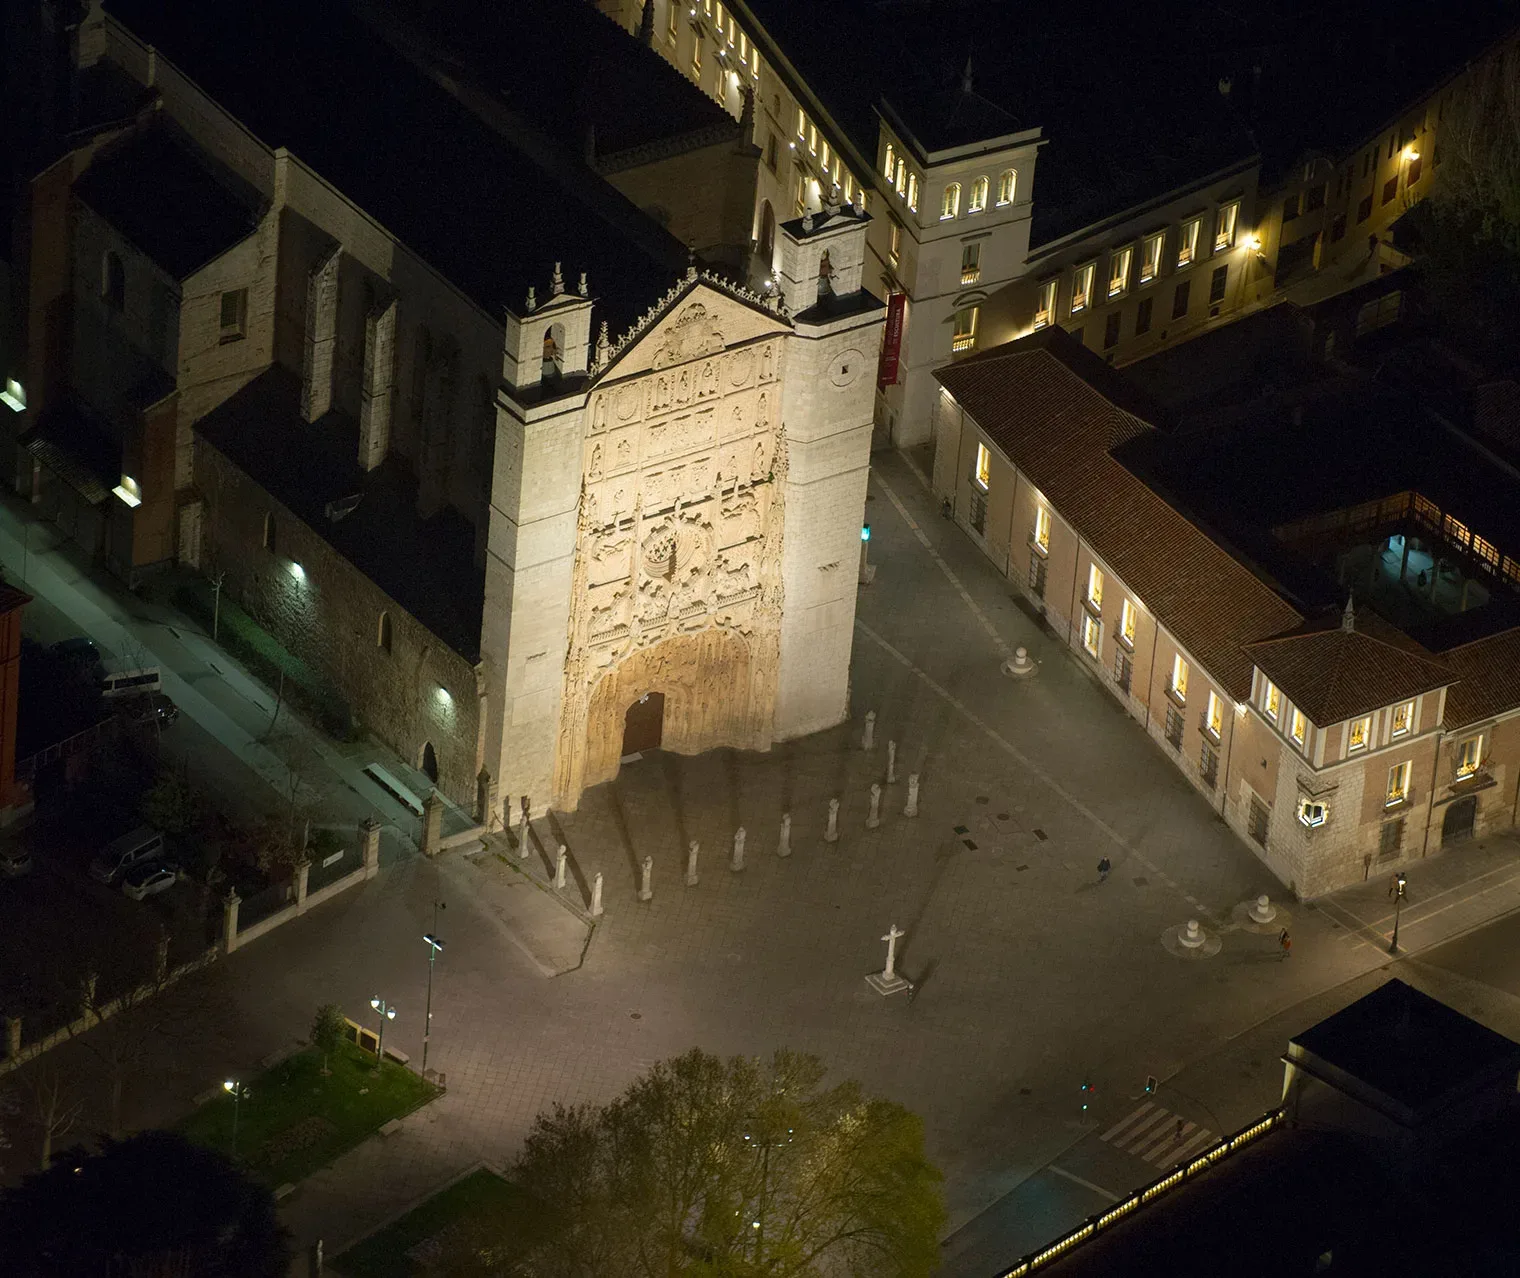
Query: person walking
(1284, 944)
(1104, 866)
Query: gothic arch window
(270, 543)
(950, 206)
(1008, 184)
(978, 200)
(427, 760)
(383, 632)
(767, 233)
(113, 281)
(554, 352)
(422, 355)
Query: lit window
(890, 163)
(826, 158)
(1398, 784)
(670, 18)
(971, 263)
(1045, 304)
(1469, 757)
(1007, 186)
(1271, 701)
(1127, 621)
(1118, 271)
(894, 242)
(1092, 634)
(1081, 286)
(812, 138)
(1456, 530)
(696, 58)
(1312, 813)
(1213, 717)
(1095, 585)
(1187, 244)
(950, 206)
(1224, 226)
(978, 200)
(1042, 527)
(965, 328)
(900, 178)
(1361, 733)
(1178, 688)
(912, 196)
(234, 314)
(849, 188)
(1298, 727)
(1150, 262)
(1403, 719)
(983, 466)
(754, 62)
(1486, 551)
(802, 135)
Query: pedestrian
(1177, 1135)
(1285, 944)
(1104, 866)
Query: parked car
(143, 710)
(149, 879)
(80, 652)
(14, 862)
(131, 850)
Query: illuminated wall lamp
(129, 491)
(296, 571)
(13, 396)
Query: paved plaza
(1030, 976)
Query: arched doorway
(644, 724)
(429, 762)
(1457, 824)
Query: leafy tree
(170, 804)
(151, 1205)
(328, 1031)
(706, 1168)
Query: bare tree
(1479, 184)
(55, 1110)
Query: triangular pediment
(700, 321)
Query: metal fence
(328, 868)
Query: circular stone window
(846, 368)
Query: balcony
(962, 342)
(971, 274)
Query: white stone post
(432, 823)
(369, 842)
(784, 846)
(873, 818)
(831, 832)
(303, 875)
(891, 763)
(868, 738)
(230, 905)
(596, 896)
(692, 849)
(560, 860)
(737, 863)
(646, 875)
(522, 832)
(911, 810)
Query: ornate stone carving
(693, 335)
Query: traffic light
(1087, 1095)
(1150, 1084)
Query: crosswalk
(1157, 1135)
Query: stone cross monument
(887, 981)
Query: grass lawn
(294, 1119)
(386, 1254)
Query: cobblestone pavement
(1030, 975)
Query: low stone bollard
(831, 831)
(873, 818)
(691, 863)
(597, 909)
(911, 810)
(868, 739)
(646, 876)
(1262, 911)
(561, 859)
(736, 863)
(891, 763)
(784, 844)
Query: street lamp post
(237, 1091)
(435, 947)
(1398, 902)
(387, 1013)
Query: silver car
(149, 880)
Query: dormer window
(1271, 700)
(1118, 271)
(1403, 719)
(1081, 287)
(1187, 245)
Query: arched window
(978, 196)
(554, 352)
(383, 633)
(428, 762)
(269, 534)
(113, 281)
(950, 206)
(767, 234)
(1008, 184)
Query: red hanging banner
(891, 340)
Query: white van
(130, 683)
(120, 855)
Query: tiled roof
(1034, 400)
(1331, 673)
(1490, 673)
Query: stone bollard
(561, 860)
(596, 896)
(230, 905)
(831, 831)
(737, 863)
(1263, 911)
(911, 810)
(303, 877)
(891, 763)
(1019, 665)
(873, 818)
(692, 849)
(784, 845)
(485, 799)
(12, 1037)
(369, 843)
(868, 740)
(432, 823)
(1191, 936)
(646, 875)
(522, 832)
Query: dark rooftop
(426, 565)
(159, 194)
(468, 201)
(1410, 1047)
